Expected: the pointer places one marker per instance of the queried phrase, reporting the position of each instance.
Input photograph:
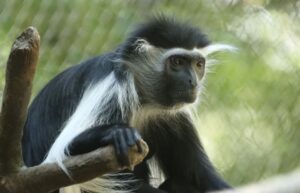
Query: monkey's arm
(182, 157)
(120, 136)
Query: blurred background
(249, 118)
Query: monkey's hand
(122, 139)
(120, 136)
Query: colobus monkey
(143, 89)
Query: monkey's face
(183, 71)
(167, 61)
(168, 77)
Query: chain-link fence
(249, 118)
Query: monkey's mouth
(187, 96)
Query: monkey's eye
(200, 63)
(177, 61)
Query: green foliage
(250, 112)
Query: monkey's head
(168, 61)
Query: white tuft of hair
(95, 98)
(111, 183)
(213, 48)
(108, 183)
(156, 175)
(96, 101)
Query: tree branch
(19, 75)
(49, 177)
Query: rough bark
(19, 75)
(49, 177)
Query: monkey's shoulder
(79, 76)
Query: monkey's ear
(141, 45)
(213, 48)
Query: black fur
(172, 139)
(164, 32)
(184, 162)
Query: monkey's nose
(193, 83)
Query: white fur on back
(95, 101)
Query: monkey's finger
(116, 144)
(123, 148)
(137, 138)
(129, 137)
(135, 135)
